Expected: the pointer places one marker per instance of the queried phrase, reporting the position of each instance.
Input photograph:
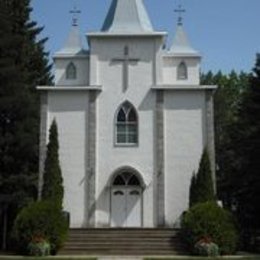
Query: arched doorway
(126, 200)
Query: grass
(147, 258)
(45, 258)
(204, 258)
(238, 257)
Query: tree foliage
(40, 220)
(193, 189)
(52, 177)
(202, 188)
(227, 101)
(208, 221)
(247, 150)
(237, 131)
(23, 65)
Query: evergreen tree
(23, 65)
(246, 180)
(202, 189)
(193, 191)
(52, 178)
(227, 101)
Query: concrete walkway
(120, 258)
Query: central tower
(124, 58)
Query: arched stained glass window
(119, 180)
(126, 179)
(126, 125)
(182, 71)
(71, 71)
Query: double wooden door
(126, 206)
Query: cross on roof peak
(75, 11)
(180, 11)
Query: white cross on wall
(126, 62)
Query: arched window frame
(71, 71)
(126, 131)
(182, 71)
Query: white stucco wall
(69, 108)
(170, 65)
(82, 66)
(185, 138)
(109, 156)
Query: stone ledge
(70, 88)
(184, 87)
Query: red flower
(205, 239)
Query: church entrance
(126, 201)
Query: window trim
(127, 124)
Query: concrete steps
(123, 242)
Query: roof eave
(82, 55)
(174, 87)
(126, 34)
(185, 55)
(70, 88)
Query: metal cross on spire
(75, 13)
(180, 11)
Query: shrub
(41, 219)
(209, 220)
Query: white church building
(132, 120)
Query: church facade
(132, 119)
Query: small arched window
(182, 71)
(126, 125)
(71, 71)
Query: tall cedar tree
(202, 189)
(247, 140)
(23, 65)
(193, 189)
(52, 179)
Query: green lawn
(204, 258)
(45, 258)
(147, 258)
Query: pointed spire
(181, 44)
(73, 45)
(127, 16)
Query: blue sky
(226, 32)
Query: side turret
(181, 62)
(72, 61)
